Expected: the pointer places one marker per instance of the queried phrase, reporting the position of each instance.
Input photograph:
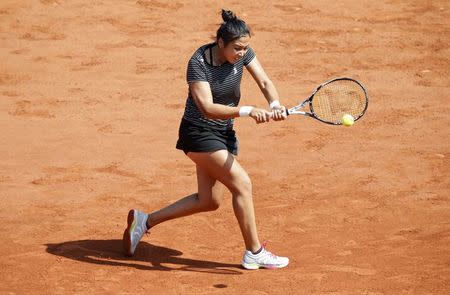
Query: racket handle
(287, 113)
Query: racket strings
(337, 98)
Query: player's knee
(247, 186)
(244, 187)
(211, 206)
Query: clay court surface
(91, 94)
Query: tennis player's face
(236, 49)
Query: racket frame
(296, 109)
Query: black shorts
(195, 138)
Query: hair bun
(228, 15)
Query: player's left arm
(267, 87)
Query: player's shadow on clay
(146, 257)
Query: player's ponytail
(232, 28)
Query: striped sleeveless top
(224, 81)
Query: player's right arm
(201, 93)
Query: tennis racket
(332, 100)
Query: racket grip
(287, 114)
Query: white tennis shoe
(264, 259)
(137, 227)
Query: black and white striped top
(224, 81)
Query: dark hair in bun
(232, 27)
(228, 15)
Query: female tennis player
(207, 137)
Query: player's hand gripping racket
(332, 100)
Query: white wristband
(245, 111)
(274, 104)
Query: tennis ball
(348, 120)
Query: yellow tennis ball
(348, 120)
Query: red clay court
(91, 94)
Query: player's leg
(223, 166)
(208, 198)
